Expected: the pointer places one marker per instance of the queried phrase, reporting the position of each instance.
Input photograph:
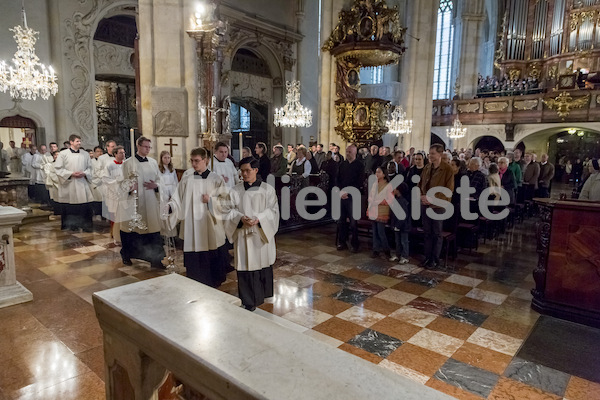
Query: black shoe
(388, 255)
(158, 266)
(354, 249)
(127, 262)
(424, 262)
(432, 265)
(249, 308)
(375, 254)
(88, 230)
(341, 247)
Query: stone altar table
(13, 192)
(11, 291)
(225, 352)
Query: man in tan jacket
(435, 174)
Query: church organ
(549, 38)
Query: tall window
(371, 76)
(443, 51)
(244, 119)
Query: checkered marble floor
(457, 330)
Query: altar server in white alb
(143, 244)
(204, 252)
(74, 172)
(251, 217)
(112, 193)
(224, 167)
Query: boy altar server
(224, 167)
(204, 252)
(251, 216)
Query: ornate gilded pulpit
(369, 34)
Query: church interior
(510, 311)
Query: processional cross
(213, 112)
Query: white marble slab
(234, 353)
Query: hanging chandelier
(293, 114)
(457, 131)
(398, 124)
(27, 78)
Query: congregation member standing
(531, 174)
(279, 163)
(378, 211)
(350, 174)
(263, 160)
(224, 167)
(74, 171)
(435, 174)
(251, 217)
(204, 252)
(143, 244)
(546, 176)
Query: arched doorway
(115, 79)
(249, 108)
(435, 139)
(489, 143)
(580, 144)
(16, 134)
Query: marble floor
(459, 331)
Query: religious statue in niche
(168, 123)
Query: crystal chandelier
(293, 114)
(27, 78)
(398, 124)
(457, 131)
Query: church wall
(308, 66)
(41, 111)
(281, 14)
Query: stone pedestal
(11, 291)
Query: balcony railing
(553, 106)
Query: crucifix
(26, 141)
(170, 145)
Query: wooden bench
(225, 352)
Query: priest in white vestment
(251, 218)
(144, 243)
(74, 172)
(224, 167)
(205, 255)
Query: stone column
(327, 121)
(417, 69)
(468, 39)
(11, 291)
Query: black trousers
(342, 223)
(208, 267)
(433, 236)
(147, 247)
(255, 286)
(76, 216)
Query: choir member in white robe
(52, 183)
(251, 218)
(14, 153)
(107, 158)
(112, 178)
(38, 177)
(204, 253)
(143, 244)
(74, 172)
(224, 167)
(98, 168)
